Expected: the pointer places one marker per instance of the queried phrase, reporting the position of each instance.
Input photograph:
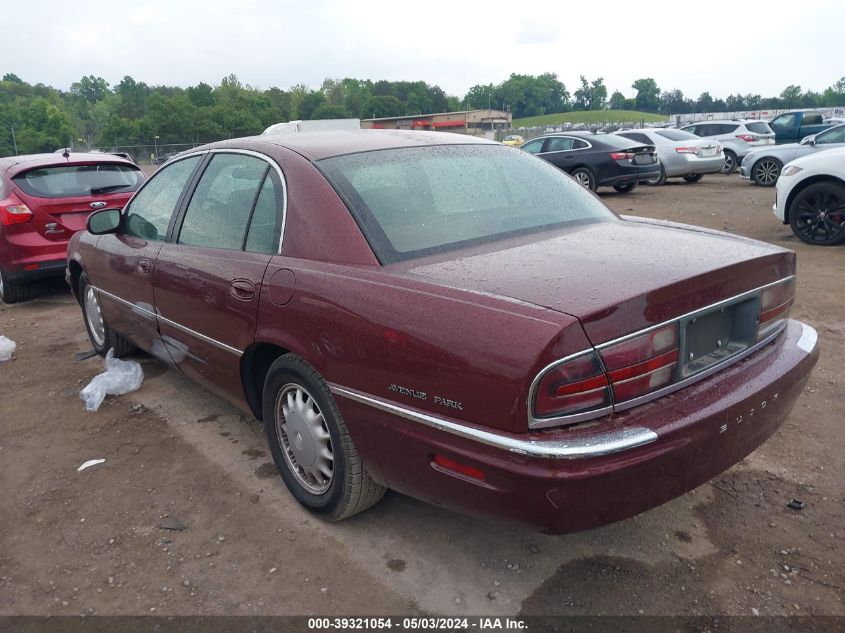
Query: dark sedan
(449, 318)
(598, 160)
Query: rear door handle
(143, 266)
(242, 289)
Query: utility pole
(14, 142)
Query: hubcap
(729, 164)
(582, 179)
(767, 172)
(304, 438)
(94, 317)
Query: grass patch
(589, 116)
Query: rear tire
(730, 163)
(659, 180)
(766, 171)
(102, 337)
(585, 178)
(693, 177)
(311, 445)
(13, 291)
(626, 188)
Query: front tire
(730, 163)
(311, 445)
(102, 337)
(817, 214)
(693, 177)
(765, 172)
(13, 291)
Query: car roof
(16, 164)
(320, 145)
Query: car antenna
(66, 153)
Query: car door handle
(143, 266)
(242, 289)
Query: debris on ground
(121, 377)
(89, 463)
(7, 348)
(795, 504)
(171, 523)
(80, 356)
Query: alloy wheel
(583, 179)
(304, 438)
(819, 216)
(766, 172)
(730, 164)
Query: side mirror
(809, 140)
(104, 221)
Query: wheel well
(255, 363)
(803, 185)
(75, 269)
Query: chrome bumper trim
(808, 339)
(578, 448)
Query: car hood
(615, 277)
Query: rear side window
(73, 181)
(264, 228)
(149, 212)
(759, 127)
(676, 135)
(559, 144)
(221, 206)
(812, 119)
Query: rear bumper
(50, 268)
(694, 165)
(568, 480)
(624, 174)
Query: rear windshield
(70, 181)
(615, 141)
(677, 135)
(759, 127)
(419, 201)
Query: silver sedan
(763, 166)
(681, 154)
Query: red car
(46, 198)
(448, 318)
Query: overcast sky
(723, 47)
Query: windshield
(71, 181)
(418, 201)
(677, 135)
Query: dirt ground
(90, 542)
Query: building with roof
(474, 122)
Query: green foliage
(328, 111)
(588, 117)
(648, 94)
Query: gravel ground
(92, 542)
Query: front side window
(149, 212)
(833, 135)
(417, 201)
(784, 121)
(221, 205)
(72, 181)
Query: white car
(811, 197)
(737, 136)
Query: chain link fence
(148, 153)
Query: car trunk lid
(615, 277)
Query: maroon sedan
(451, 319)
(46, 198)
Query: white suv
(737, 136)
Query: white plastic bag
(121, 377)
(7, 348)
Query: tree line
(37, 118)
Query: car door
(125, 261)
(558, 151)
(208, 276)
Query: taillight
(748, 138)
(573, 386)
(775, 302)
(687, 150)
(13, 211)
(622, 155)
(642, 363)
